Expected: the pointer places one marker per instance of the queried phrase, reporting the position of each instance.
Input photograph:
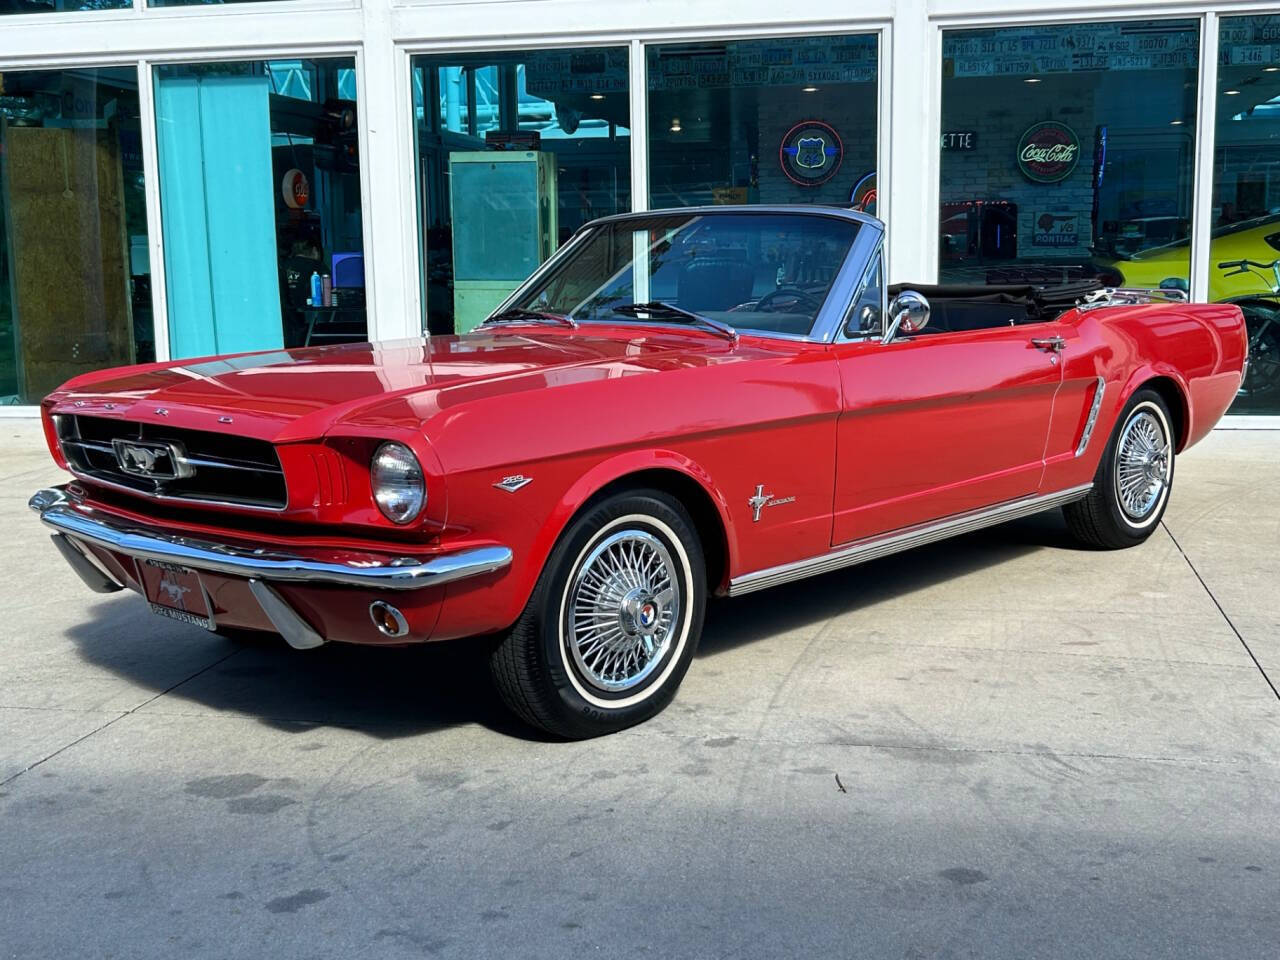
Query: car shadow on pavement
(384, 692)
(744, 620)
(408, 691)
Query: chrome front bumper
(81, 522)
(76, 524)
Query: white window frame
(382, 35)
(142, 39)
(635, 41)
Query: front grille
(220, 468)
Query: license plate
(175, 592)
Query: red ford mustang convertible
(677, 404)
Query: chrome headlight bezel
(396, 477)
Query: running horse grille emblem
(152, 460)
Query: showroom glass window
(514, 152)
(260, 201)
(1067, 153)
(789, 120)
(75, 279)
(1246, 198)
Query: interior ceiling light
(1270, 69)
(597, 96)
(810, 89)
(1175, 123)
(1230, 93)
(675, 125)
(1031, 80)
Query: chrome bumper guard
(75, 523)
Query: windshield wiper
(521, 315)
(669, 311)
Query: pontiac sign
(1048, 152)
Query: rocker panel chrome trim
(886, 544)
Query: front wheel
(613, 622)
(1132, 484)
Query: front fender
(484, 606)
(617, 468)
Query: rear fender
(1150, 371)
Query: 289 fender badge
(762, 500)
(513, 483)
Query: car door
(936, 424)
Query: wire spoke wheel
(612, 624)
(1133, 479)
(623, 610)
(1142, 465)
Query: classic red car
(678, 404)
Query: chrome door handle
(1051, 344)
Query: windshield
(768, 272)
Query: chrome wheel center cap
(1155, 468)
(639, 613)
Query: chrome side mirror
(909, 313)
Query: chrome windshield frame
(839, 297)
(842, 334)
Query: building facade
(181, 178)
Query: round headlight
(398, 486)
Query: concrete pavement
(1000, 746)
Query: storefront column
(386, 149)
(1206, 125)
(639, 127)
(151, 179)
(914, 59)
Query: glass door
(261, 204)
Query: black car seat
(954, 308)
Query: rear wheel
(1132, 484)
(612, 625)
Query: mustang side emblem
(513, 483)
(762, 500)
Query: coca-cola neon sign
(1048, 152)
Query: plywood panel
(70, 253)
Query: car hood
(300, 394)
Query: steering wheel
(803, 299)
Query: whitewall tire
(612, 625)
(1134, 478)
